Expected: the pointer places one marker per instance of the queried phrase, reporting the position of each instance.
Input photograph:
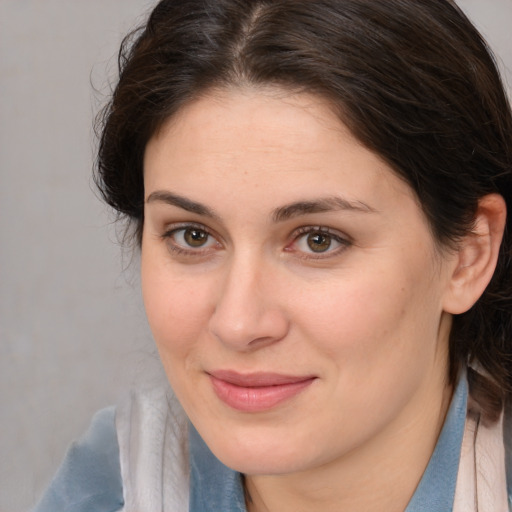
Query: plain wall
(73, 333)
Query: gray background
(73, 334)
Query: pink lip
(256, 392)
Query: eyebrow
(324, 204)
(281, 214)
(188, 205)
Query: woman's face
(291, 283)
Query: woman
(319, 191)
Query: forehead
(251, 119)
(264, 136)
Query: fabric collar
(213, 486)
(436, 489)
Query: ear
(476, 256)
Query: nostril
(249, 332)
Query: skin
(368, 317)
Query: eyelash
(343, 241)
(175, 248)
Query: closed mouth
(256, 392)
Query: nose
(248, 314)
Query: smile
(256, 392)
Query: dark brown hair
(412, 79)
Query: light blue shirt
(89, 480)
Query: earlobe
(477, 256)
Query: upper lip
(257, 379)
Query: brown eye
(319, 242)
(195, 237)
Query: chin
(258, 454)
(262, 464)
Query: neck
(381, 475)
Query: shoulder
(89, 479)
(133, 456)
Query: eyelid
(344, 240)
(177, 248)
(176, 226)
(341, 238)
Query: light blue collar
(214, 487)
(436, 489)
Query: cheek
(177, 308)
(380, 341)
(372, 321)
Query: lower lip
(256, 399)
